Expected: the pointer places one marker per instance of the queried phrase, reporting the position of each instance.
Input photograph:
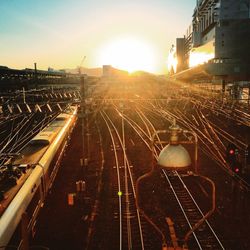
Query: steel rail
(128, 170)
(118, 179)
(192, 198)
(199, 209)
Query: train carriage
(39, 162)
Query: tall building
(218, 38)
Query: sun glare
(128, 54)
(172, 60)
(197, 58)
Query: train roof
(46, 136)
(62, 117)
(58, 122)
(71, 110)
(43, 138)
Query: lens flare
(128, 54)
(172, 60)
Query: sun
(128, 54)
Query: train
(32, 174)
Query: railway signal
(231, 154)
(247, 155)
(233, 159)
(237, 168)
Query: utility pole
(24, 99)
(82, 91)
(35, 76)
(84, 159)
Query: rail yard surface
(96, 200)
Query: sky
(128, 34)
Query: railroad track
(201, 115)
(188, 214)
(126, 216)
(186, 210)
(213, 140)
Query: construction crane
(79, 67)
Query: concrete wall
(234, 9)
(233, 39)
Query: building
(106, 70)
(109, 72)
(218, 39)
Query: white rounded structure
(174, 157)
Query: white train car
(41, 158)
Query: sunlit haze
(199, 58)
(130, 35)
(201, 54)
(172, 60)
(129, 54)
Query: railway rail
(192, 111)
(126, 214)
(204, 237)
(213, 140)
(180, 196)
